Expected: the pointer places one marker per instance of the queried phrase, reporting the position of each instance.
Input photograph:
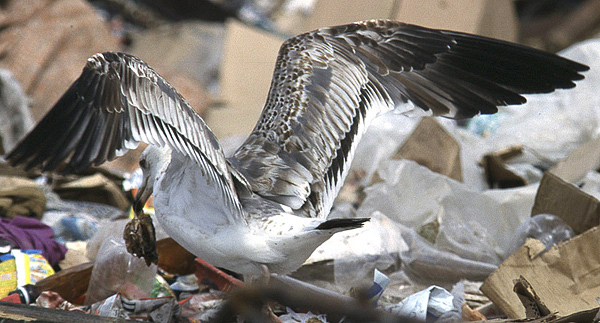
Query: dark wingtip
(342, 224)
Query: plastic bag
(474, 225)
(117, 271)
(547, 228)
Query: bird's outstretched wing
(117, 102)
(330, 83)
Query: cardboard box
(566, 278)
(433, 147)
(497, 174)
(559, 195)
(556, 196)
(582, 160)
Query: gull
(265, 208)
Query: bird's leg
(262, 281)
(139, 233)
(266, 275)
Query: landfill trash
(15, 119)
(161, 288)
(563, 277)
(29, 233)
(386, 134)
(8, 274)
(308, 317)
(31, 266)
(21, 197)
(71, 283)
(185, 286)
(358, 252)
(96, 188)
(27, 293)
(203, 306)
(462, 232)
(590, 184)
(432, 146)
(157, 309)
(72, 227)
(475, 230)
(380, 283)
(547, 228)
(427, 306)
(20, 268)
(50, 299)
(424, 261)
(115, 270)
(74, 220)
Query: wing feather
(117, 102)
(330, 83)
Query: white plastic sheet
(425, 306)
(473, 225)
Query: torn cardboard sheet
(534, 307)
(432, 146)
(566, 278)
(497, 174)
(582, 160)
(559, 195)
(578, 209)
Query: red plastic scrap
(210, 275)
(12, 298)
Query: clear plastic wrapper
(424, 261)
(547, 228)
(591, 184)
(114, 230)
(106, 230)
(117, 271)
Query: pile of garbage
(495, 218)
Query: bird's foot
(140, 238)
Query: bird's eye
(143, 163)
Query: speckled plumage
(267, 204)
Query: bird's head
(153, 161)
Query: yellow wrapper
(8, 275)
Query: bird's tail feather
(342, 224)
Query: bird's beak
(141, 197)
